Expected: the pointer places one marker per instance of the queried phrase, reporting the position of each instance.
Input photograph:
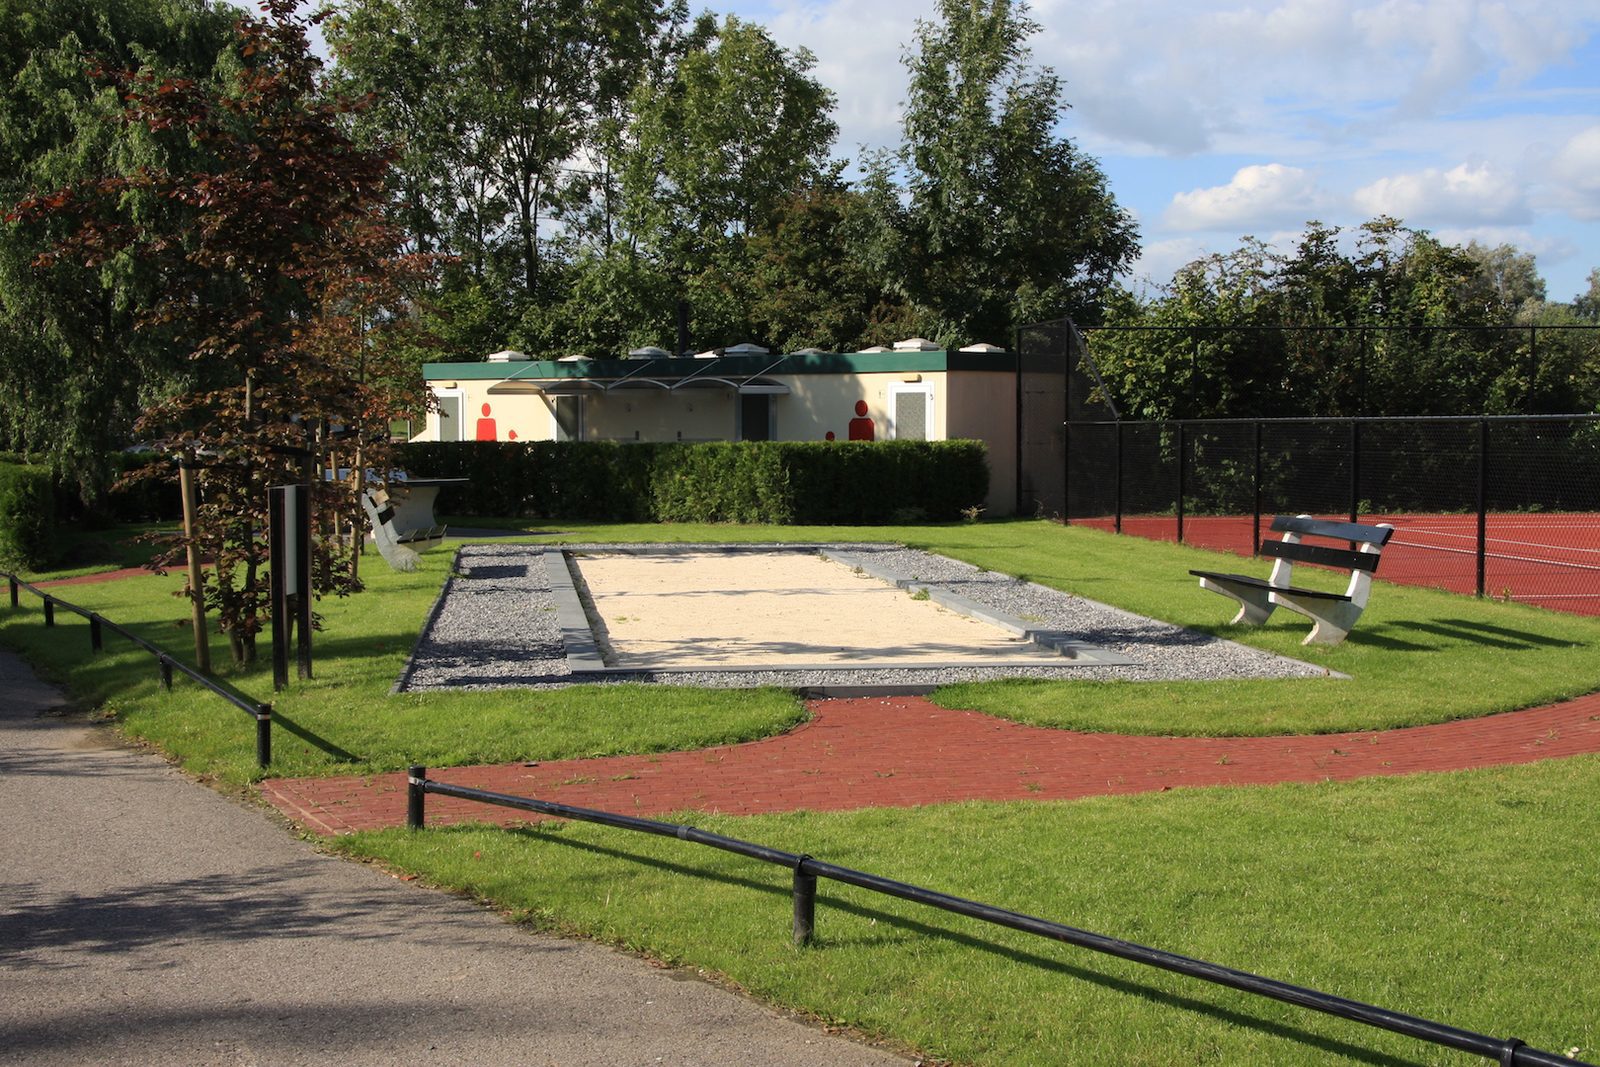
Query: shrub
(27, 516)
(778, 482)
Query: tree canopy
(277, 279)
(1393, 321)
(1005, 222)
(693, 163)
(74, 373)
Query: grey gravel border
(498, 625)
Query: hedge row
(27, 516)
(724, 481)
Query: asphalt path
(146, 919)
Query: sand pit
(524, 616)
(781, 609)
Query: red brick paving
(903, 751)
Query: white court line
(1494, 541)
(1501, 555)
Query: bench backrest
(1373, 538)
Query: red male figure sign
(861, 427)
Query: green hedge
(27, 516)
(725, 481)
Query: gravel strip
(495, 627)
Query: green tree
(1586, 305)
(1401, 324)
(814, 275)
(712, 157)
(1005, 221)
(74, 373)
(495, 104)
(1507, 279)
(278, 277)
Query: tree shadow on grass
(909, 927)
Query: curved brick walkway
(905, 751)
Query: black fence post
(416, 776)
(1355, 470)
(166, 673)
(1255, 517)
(1181, 486)
(97, 641)
(1483, 502)
(11, 580)
(263, 735)
(805, 903)
(49, 612)
(1118, 478)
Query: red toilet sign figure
(862, 428)
(486, 426)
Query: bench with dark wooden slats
(398, 541)
(1332, 613)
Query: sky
(1471, 119)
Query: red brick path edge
(904, 751)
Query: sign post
(197, 600)
(289, 537)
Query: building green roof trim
(728, 366)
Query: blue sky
(1470, 119)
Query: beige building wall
(984, 407)
(819, 404)
(652, 414)
(959, 404)
(527, 415)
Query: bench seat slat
(1262, 583)
(1328, 557)
(1339, 531)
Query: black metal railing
(807, 869)
(98, 624)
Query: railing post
(11, 580)
(416, 795)
(49, 612)
(97, 640)
(263, 735)
(166, 673)
(805, 903)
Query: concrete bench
(403, 525)
(1333, 614)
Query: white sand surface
(689, 609)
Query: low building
(913, 391)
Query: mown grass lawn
(1417, 656)
(1470, 898)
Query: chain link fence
(1507, 507)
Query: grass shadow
(1482, 633)
(340, 755)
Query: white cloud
(858, 49)
(1575, 172)
(1267, 195)
(1465, 195)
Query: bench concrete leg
(1332, 620)
(1254, 605)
